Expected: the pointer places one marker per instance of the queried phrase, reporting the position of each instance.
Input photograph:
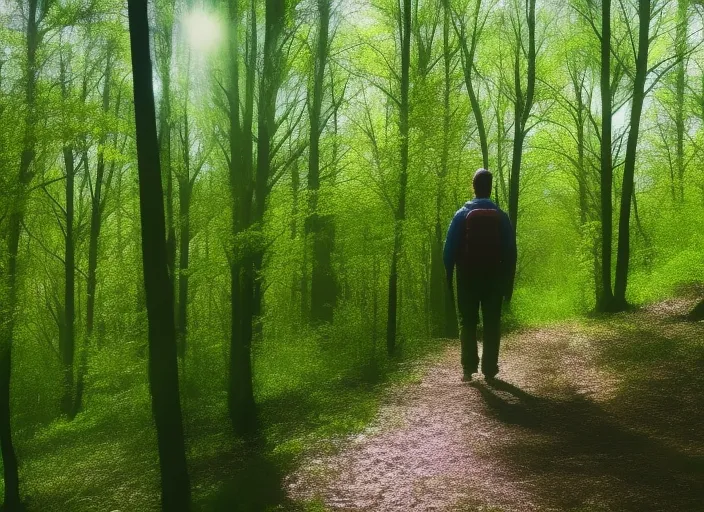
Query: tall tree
(35, 13)
(680, 88)
(443, 314)
(523, 101)
(400, 214)
(241, 404)
(469, 50)
(98, 189)
(163, 364)
(164, 55)
(627, 189)
(319, 227)
(186, 176)
(278, 41)
(606, 182)
(67, 342)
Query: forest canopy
(311, 154)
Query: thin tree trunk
(680, 86)
(319, 228)
(68, 316)
(500, 152)
(185, 191)
(400, 217)
(268, 89)
(163, 364)
(96, 214)
(67, 340)
(442, 307)
(606, 299)
(184, 194)
(522, 110)
(165, 127)
(468, 66)
(627, 190)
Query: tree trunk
(697, 312)
(241, 404)
(184, 194)
(627, 190)
(7, 324)
(163, 364)
(606, 299)
(468, 65)
(268, 90)
(9, 279)
(442, 307)
(522, 110)
(185, 191)
(96, 214)
(164, 66)
(67, 340)
(320, 228)
(680, 87)
(500, 152)
(400, 217)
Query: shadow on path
(578, 455)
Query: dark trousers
(486, 294)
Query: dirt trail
(605, 415)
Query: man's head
(482, 184)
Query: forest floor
(600, 414)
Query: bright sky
(203, 29)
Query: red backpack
(480, 251)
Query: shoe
(490, 379)
(467, 376)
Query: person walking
(481, 245)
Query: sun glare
(203, 30)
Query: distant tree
(163, 41)
(99, 187)
(163, 364)
(186, 175)
(67, 323)
(271, 166)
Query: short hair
(482, 183)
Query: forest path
(600, 415)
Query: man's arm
(450, 249)
(510, 252)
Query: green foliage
(311, 382)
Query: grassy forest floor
(600, 414)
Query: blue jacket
(455, 234)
